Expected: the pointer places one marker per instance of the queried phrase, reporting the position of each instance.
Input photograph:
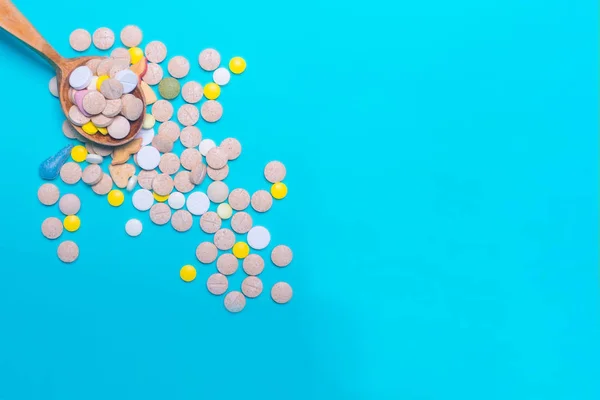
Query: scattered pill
(136, 54)
(239, 199)
(153, 75)
(149, 121)
(281, 255)
(181, 221)
(210, 222)
(237, 65)
(232, 147)
(53, 86)
(162, 143)
(235, 302)
(131, 36)
(221, 76)
(111, 89)
(169, 129)
(224, 239)
(197, 203)
(119, 128)
(148, 158)
(183, 182)
(128, 79)
(216, 158)
(142, 199)
(190, 158)
(253, 264)
(162, 185)
(101, 121)
(71, 223)
(241, 250)
(76, 117)
(281, 292)
(52, 228)
(92, 173)
(241, 222)
(68, 251)
(217, 174)
(217, 284)
(206, 145)
(192, 92)
(90, 128)
(115, 198)
(176, 200)
(206, 252)
(162, 110)
(211, 111)
(131, 183)
(275, 171)
(252, 287)
(211, 91)
(227, 264)
(69, 204)
(209, 59)
(103, 186)
(160, 198)
(188, 115)
(160, 213)
(145, 178)
(133, 227)
(261, 201)
(187, 273)
(258, 237)
(190, 136)
(80, 40)
(217, 192)
(113, 108)
(197, 174)
(279, 190)
(103, 38)
(178, 67)
(70, 173)
(79, 153)
(224, 211)
(169, 163)
(156, 51)
(146, 135)
(80, 77)
(169, 88)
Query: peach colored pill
(261, 201)
(52, 228)
(160, 213)
(131, 36)
(275, 171)
(210, 222)
(232, 147)
(253, 264)
(92, 174)
(103, 38)
(178, 67)
(70, 173)
(217, 284)
(241, 222)
(68, 251)
(217, 174)
(211, 111)
(206, 252)
(252, 287)
(156, 51)
(80, 40)
(182, 182)
(192, 92)
(190, 136)
(281, 255)
(239, 199)
(170, 129)
(281, 292)
(169, 163)
(227, 264)
(235, 302)
(48, 194)
(182, 220)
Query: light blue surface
(443, 210)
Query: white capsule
(94, 159)
(131, 183)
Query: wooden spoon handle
(12, 21)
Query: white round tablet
(258, 237)
(80, 78)
(221, 76)
(133, 227)
(146, 134)
(128, 79)
(176, 200)
(206, 145)
(142, 199)
(197, 203)
(148, 158)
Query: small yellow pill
(79, 153)
(101, 79)
(103, 131)
(89, 128)
(115, 198)
(279, 190)
(212, 91)
(237, 65)
(149, 121)
(224, 211)
(160, 198)
(71, 223)
(187, 273)
(241, 249)
(136, 54)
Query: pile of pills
(163, 181)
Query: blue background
(443, 210)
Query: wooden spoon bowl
(12, 21)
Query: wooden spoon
(12, 21)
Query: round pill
(224, 239)
(90, 128)
(113, 108)
(190, 158)
(69, 204)
(53, 86)
(169, 129)
(232, 147)
(76, 117)
(209, 59)
(162, 184)
(187, 273)
(217, 284)
(181, 221)
(169, 163)
(258, 237)
(100, 121)
(128, 79)
(104, 185)
(197, 203)
(197, 174)
(279, 190)
(154, 74)
(217, 192)
(149, 121)
(217, 174)
(210, 222)
(241, 222)
(136, 54)
(160, 213)
(237, 65)
(178, 67)
(145, 178)
(169, 88)
(131, 36)
(241, 250)
(252, 287)
(132, 107)
(71, 223)
(103, 38)
(239, 199)
(119, 128)
(275, 171)
(206, 252)
(281, 292)
(133, 227)
(162, 143)
(188, 115)
(160, 198)
(235, 302)
(281, 255)
(211, 91)
(80, 40)
(115, 198)
(68, 251)
(162, 110)
(52, 228)
(221, 76)
(216, 158)
(227, 264)
(211, 111)
(131, 183)
(80, 78)
(206, 145)
(261, 201)
(156, 51)
(70, 132)
(70, 173)
(148, 158)
(183, 182)
(142, 199)
(224, 211)
(111, 89)
(146, 135)
(176, 200)
(93, 64)
(192, 92)
(79, 153)
(190, 136)
(253, 264)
